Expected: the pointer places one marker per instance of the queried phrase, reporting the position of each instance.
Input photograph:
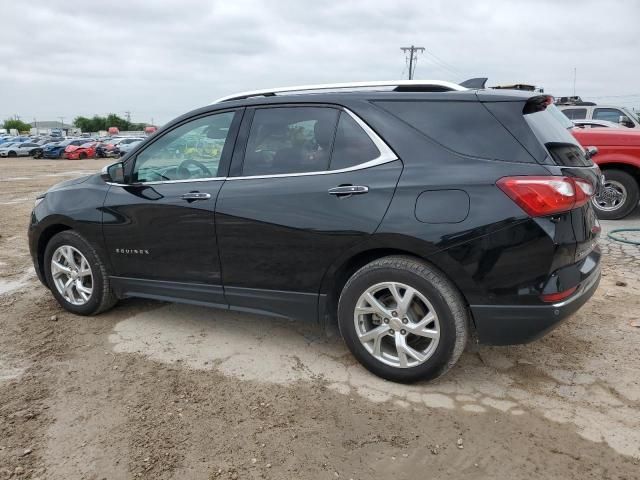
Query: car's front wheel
(618, 196)
(403, 319)
(76, 275)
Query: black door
(159, 229)
(299, 201)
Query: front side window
(191, 151)
(290, 140)
(609, 114)
(575, 113)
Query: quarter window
(352, 146)
(190, 151)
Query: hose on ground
(623, 240)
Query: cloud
(159, 59)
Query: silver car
(23, 149)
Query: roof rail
(404, 85)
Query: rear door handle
(191, 196)
(347, 190)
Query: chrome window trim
(386, 155)
(188, 180)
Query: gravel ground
(160, 391)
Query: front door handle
(192, 196)
(348, 190)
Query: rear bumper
(514, 324)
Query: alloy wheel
(72, 275)
(613, 196)
(397, 324)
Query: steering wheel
(182, 168)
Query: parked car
(125, 147)
(80, 152)
(382, 207)
(107, 148)
(619, 159)
(596, 124)
(620, 115)
(18, 149)
(56, 150)
(38, 152)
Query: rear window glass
(552, 128)
(467, 128)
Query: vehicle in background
(56, 150)
(589, 111)
(618, 157)
(107, 148)
(15, 139)
(18, 149)
(125, 147)
(37, 152)
(596, 124)
(80, 152)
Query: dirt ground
(159, 391)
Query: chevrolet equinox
(415, 214)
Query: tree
(98, 123)
(17, 124)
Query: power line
(445, 65)
(413, 57)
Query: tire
(82, 156)
(619, 197)
(12, 154)
(101, 297)
(449, 308)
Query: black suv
(413, 214)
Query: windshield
(630, 114)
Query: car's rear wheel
(12, 154)
(618, 196)
(403, 319)
(76, 275)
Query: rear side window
(552, 129)
(575, 113)
(352, 146)
(290, 140)
(467, 128)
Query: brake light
(557, 297)
(541, 196)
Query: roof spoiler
(475, 83)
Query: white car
(596, 124)
(23, 149)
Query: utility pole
(128, 115)
(61, 122)
(574, 81)
(413, 57)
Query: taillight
(541, 196)
(559, 296)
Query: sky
(158, 59)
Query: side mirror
(591, 151)
(626, 121)
(113, 173)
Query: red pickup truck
(619, 159)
